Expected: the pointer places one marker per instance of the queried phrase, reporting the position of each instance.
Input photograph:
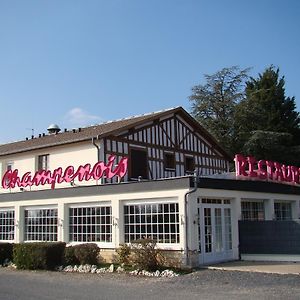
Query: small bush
(145, 255)
(124, 252)
(69, 257)
(6, 252)
(33, 256)
(85, 254)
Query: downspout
(186, 199)
(98, 152)
(98, 147)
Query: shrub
(124, 252)
(33, 256)
(69, 257)
(6, 252)
(85, 253)
(145, 255)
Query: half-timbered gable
(168, 146)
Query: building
(134, 178)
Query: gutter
(186, 199)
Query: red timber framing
(173, 134)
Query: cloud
(77, 117)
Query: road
(203, 284)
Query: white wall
(60, 156)
(115, 200)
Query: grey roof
(100, 131)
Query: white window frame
(46, 226)
(252, 211)
(91, 240)
(5, 166)
(290, 210)
(8, 227)
(44, 158)
(151, 234)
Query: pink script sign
(265, 169)
(11, 178)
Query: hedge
(6, 252)
(33, 256)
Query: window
(253, 210)
(7, 225)
(283, 210)
(43, 162)
(189, 164)
(208, 229)
(214, 201)
(159, 222)
(218, 230)
(138, 164)
(211, 201)
(9, 166)
(41, 224)
(169, 161)
(90, 224)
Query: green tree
(213, 104)
(260, 142)
(266, 109)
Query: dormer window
(43, 162)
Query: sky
(81, 62)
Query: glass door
(215, 233)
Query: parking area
(201, 284)
(259, 266)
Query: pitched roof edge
(150, 116)
(206, 134)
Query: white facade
(211, 214)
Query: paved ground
(203, 284)
(257, 266)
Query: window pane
(41, 224)
(159, 222)
(169, 160)
(90, 224)
(283, 210)
(253, 210)
(7, 225)
(43, 162)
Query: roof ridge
(68, 130)
(134, 116)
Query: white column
(236, 215)
(19, 223)
(117, 223)
(269, 209)
(295, 209)
(62, 223)
(182, 221)
(237, 208)
(192, 222)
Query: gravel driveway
(203, 284)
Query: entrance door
(215, 235)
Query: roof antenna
(32, 130)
